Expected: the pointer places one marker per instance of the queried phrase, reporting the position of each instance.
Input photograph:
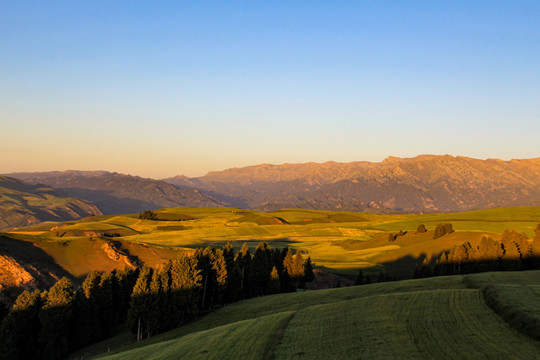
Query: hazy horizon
(248, 165)
(158, 90)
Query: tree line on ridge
(51, 324)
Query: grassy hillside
(117, 193)
(23, 204)
(33, 261)
(341, 242)
(430, 318)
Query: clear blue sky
(164, 88)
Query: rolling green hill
(23, 204)
(381, 320)
(444, 317)
(340, 242)
(38, 262)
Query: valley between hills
(410, 233)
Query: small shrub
(148, 215)
(421, 229)
(442, 229)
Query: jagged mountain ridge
(23, 204)
(117, 193)
(423, 183)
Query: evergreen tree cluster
(393, 237)
(148, 215)
(443, 229)
(421, 229)
(514, 251)
(165, 299)
(51, 324)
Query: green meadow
(340, 242)
(490, 315)
(444, 317)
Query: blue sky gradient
(164, 88)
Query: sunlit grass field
(341, 242)
(443, 317)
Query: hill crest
(422, 183)
(23, 204)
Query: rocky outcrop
(14, 274)
(25, 266)
(115, 252)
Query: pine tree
(154, 316)
(234, 280)
(204, 264)
(20, 329)
(185, 288)
(421, 229)
(448, 228)
(442, 229)
(244, 259)
(213, 268)
(3, 311)
(425, 270)
(127, 279)
(219, 269)
(368, 279)
(228, 254)
(298, 272)
(273, 286)
(90, 290)
(117, 297)
(140, 303)
(261, 269)
(148, 215)
(359, 278)
(81, 333)
(8, 344)
(55, 318)
(309, 276)
(166, 298)
(287, 282)
(104, 301)
(277, 260)
(382, 276)
(439, 231)
(232, 288)
(437, 268)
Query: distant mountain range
(117, 193)
(426, 183)
(23, 204)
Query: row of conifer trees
(51, 324)
(512, 252)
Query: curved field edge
(513, 296)
(443, 324)
(247, 339)
(345, 298)
(272, 304)
(518, 305)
